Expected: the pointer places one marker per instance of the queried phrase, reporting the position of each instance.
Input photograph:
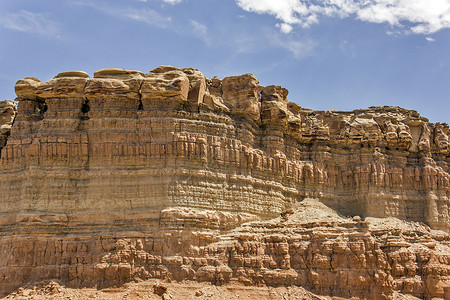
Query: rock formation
(7, 114)
(169, 174)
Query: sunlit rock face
(166, 164)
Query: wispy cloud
(299, 48)
(144, 15)
(153, 18)
(147, 15)
(166, 1)
(247, 42)
(417, 16)
(242, 42)
(30, 22)
(172, 1)
(347, 49)
(200, 30)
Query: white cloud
(284, 27)
(430, 39)
(30, 22)
(417, 16)
(288, 11)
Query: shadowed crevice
(85, 108)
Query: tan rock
(274, 105)
(173, 176)
(114, 84)
(441, 138)
(108, 88)
(7, 115)
(117, 73)
(62, 87)
(165, 83)
(197, 85)
(26, 88)
(241, 95)
(80, 74)
(213, 96)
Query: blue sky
(332, 54)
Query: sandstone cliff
(130, 175)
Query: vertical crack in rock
(140, 104)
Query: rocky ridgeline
(130, 176)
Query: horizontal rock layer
(309, 246)
(125, 140)
(117, 153)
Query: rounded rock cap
(117, 73)
(32, 79)
(80, 74)
(163, 69)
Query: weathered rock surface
(309, 246)
(130, 176)
(146, 290)
(7, 115)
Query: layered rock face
(129, 175)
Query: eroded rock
(241, 94)
(175, 176)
